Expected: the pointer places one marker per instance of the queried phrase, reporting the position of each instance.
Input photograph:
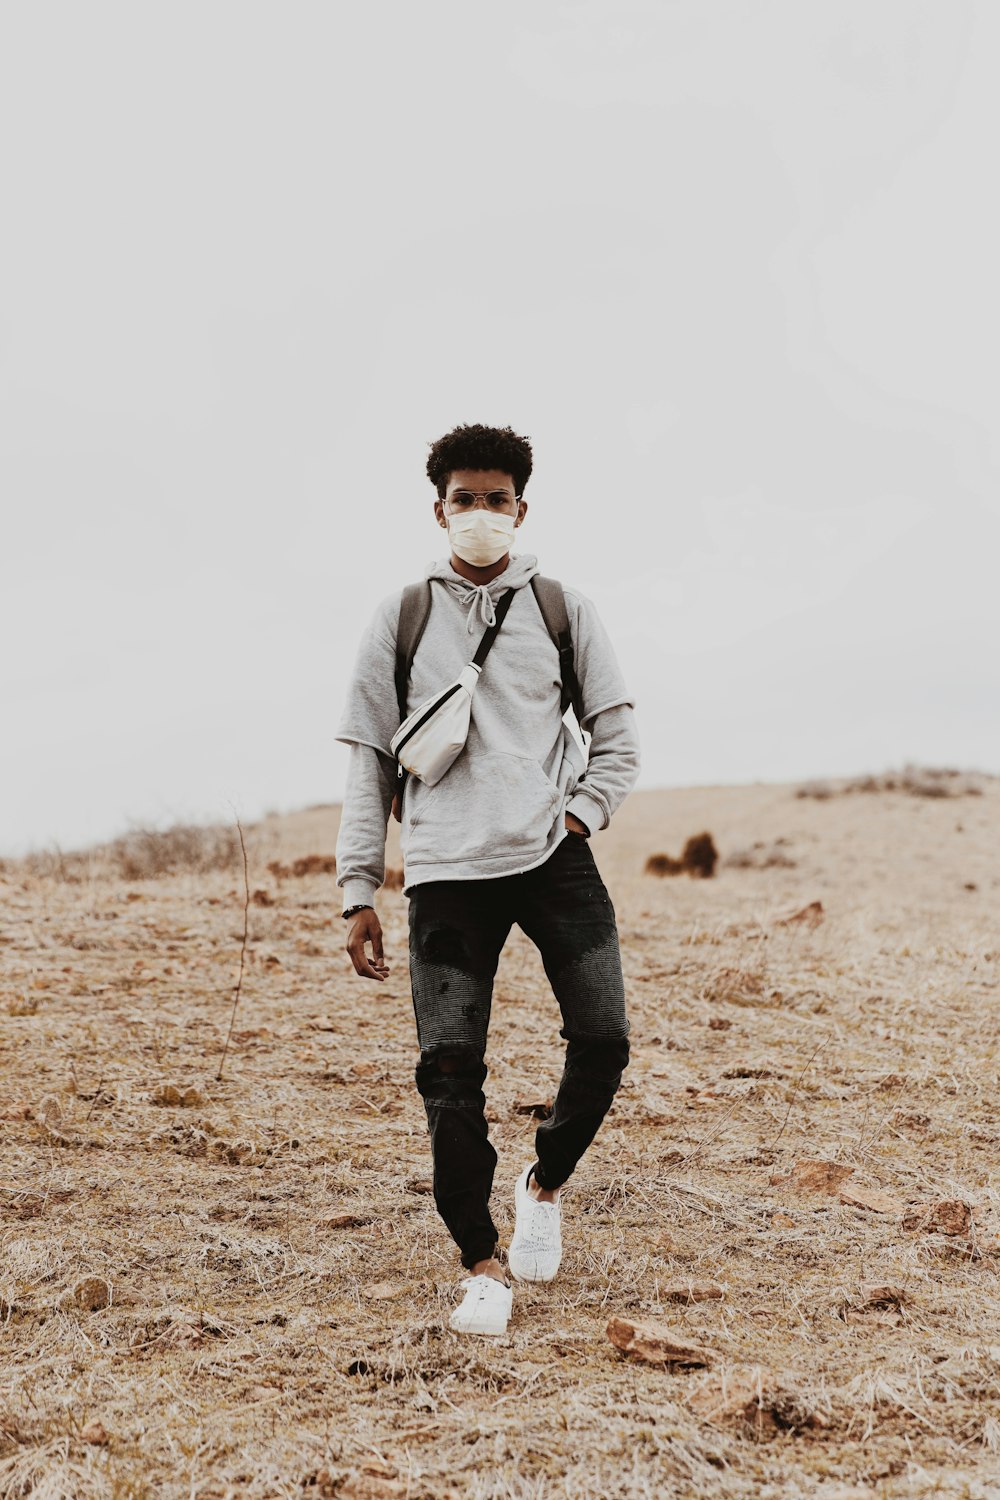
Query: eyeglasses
(465, 498)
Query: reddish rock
(871, 1198)
(345, 1221)
(314, 864)
(807, 916)
(692, 1291)
(814, 1177)
(655, 1344)
(538, 1109)
(385, 1291)
(947, 1216)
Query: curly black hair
(477, 447)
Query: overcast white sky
(732, 266)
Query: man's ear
(522, 511)
(440, 515)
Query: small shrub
(699, 859)
(818, 790)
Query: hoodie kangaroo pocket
(489, 806)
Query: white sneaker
(536, 1248)
(485, 1308)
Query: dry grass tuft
(762, 854)
(140, 854)
(759, 1401)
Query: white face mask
(479, 537)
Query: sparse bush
(914, 781)
(145, 853)
(140, 854)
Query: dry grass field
(240, 1288)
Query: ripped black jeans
(457, 930)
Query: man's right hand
(365, 927)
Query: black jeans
(457, 931)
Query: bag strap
(552, 604)
(413, 613)
(490, 635)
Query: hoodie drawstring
(479, 594)
(479, 598)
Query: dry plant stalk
(795, 1088)
(243, 948)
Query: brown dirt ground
(277, 1276)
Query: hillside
(239, 1288)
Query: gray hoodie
(500, 808)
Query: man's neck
(480, 575)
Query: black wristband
(361, 906)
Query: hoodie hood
(481, 597)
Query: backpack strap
(552, 604)
(413, 612)
(415, 608)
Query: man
(501, 838)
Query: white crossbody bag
(429, 739)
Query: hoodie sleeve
(368, 722)
(364, 818)
(613, 761)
